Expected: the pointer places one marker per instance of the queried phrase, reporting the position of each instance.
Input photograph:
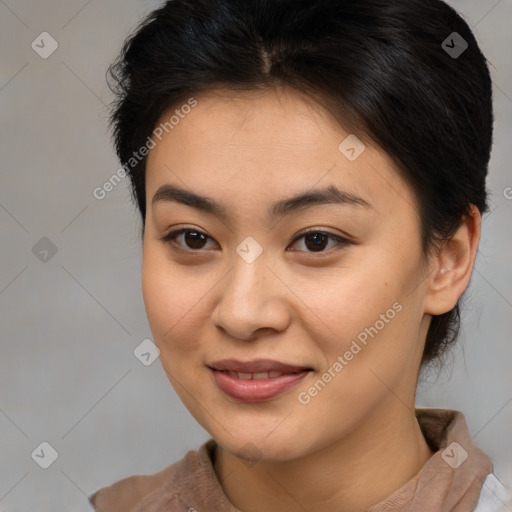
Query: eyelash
(169, 239)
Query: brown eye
(317, 241)
(193, 240)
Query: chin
(250, 445)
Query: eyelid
(169, 237)
(342, 242)
(320, 229)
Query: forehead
(245, 146)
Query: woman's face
(344, 305)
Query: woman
(311, 179)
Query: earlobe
(452, 266)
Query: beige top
(448, 482)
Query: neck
(350, 474)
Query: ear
(451, 268)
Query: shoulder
(128, 493)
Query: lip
(256, 365)
(256, 390)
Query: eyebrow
(299, 202)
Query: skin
(357, 440)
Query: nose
(252, 301)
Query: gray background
(69, 326)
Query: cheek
(368, 306)
(352, 300)
(174, 303)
